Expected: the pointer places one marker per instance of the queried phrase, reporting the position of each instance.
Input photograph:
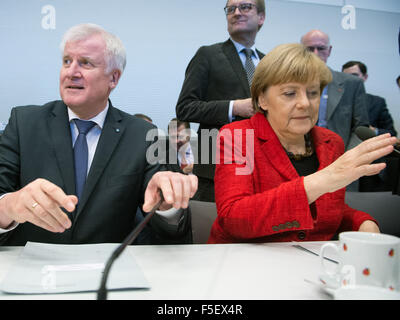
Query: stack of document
(47, 268)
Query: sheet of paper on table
(49, 268)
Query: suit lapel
(335, 93)
(260, 54)
(110, 135)
(231, 54)
(60, 133)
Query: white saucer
(365, 293)
(351, 292)
(328, 282)
(325, 285)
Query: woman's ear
(262, 102)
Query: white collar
(98, 119)
(239, 47)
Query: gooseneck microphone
(102, 292)
(365, 133)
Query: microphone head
(364, 133)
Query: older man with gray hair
(343, 106)
(75, 170)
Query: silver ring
(34, 205)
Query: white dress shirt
(92, 137)
(188, 156)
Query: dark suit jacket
(213, 78)
(37, 144)
(346, 107)
(379, 116)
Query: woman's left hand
(369, 226)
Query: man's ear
(262, 19)
(114, 78)
(330, 50)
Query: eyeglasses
(322, 48)
(243, 8)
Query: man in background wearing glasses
(216, 89)
(343, 105)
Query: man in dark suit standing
(216, 89)
(380, 119)
(75, 170)
(343, 107)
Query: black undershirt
(306, 165)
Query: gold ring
(34, 205)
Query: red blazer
(268, 202)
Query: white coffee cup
(365, 258)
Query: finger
(366, 170)
(169, 188)
(190, 188)
(149, 201)
(39, 222)
(151, 196)
(371, 143)
(373, 148)
(177, 182)
(378, 141)
(44, 219)
(184, 186)
(186, 192)
(375, 154)
(58, 195)
(375, 168)
(25, 207)
(193, 184)
(52, 208)
(364, 147)
(54, 198)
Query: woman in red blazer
(280, 177)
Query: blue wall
(161, 36)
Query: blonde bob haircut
(286, 63)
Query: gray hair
(115, 54)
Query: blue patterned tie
(81, 154)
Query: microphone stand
(102, 292)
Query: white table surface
(210, 272)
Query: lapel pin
(117, 130)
